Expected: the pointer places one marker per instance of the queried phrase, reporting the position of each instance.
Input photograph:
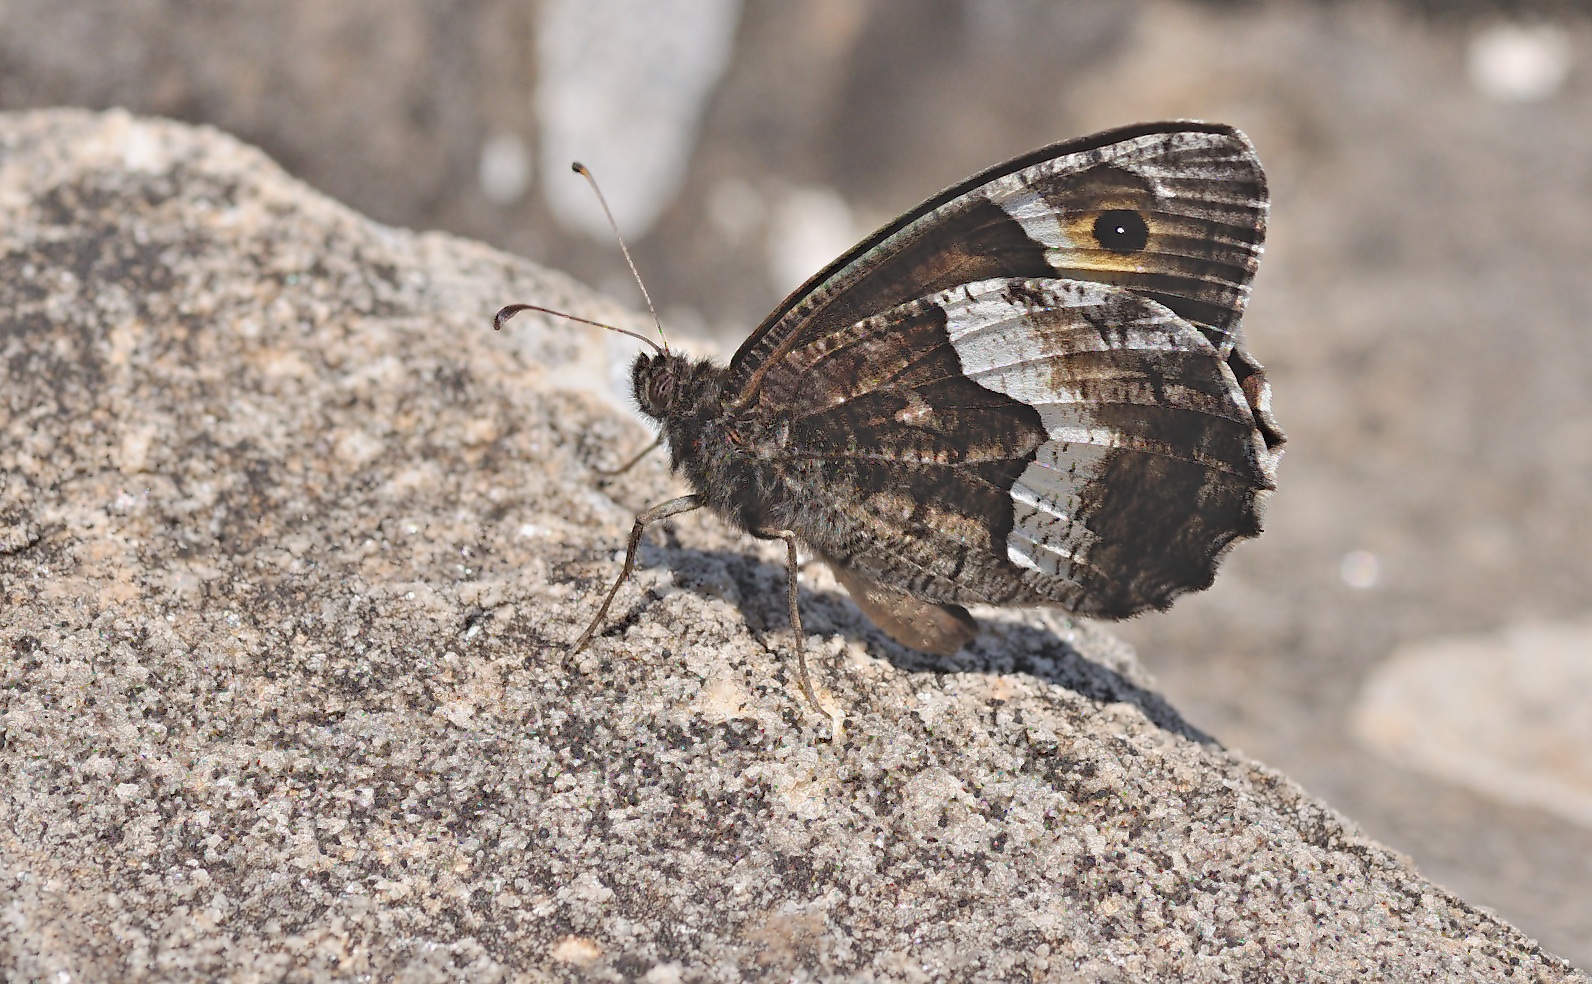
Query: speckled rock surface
(291, 549)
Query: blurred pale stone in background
(1520, 62)
(505, 168)
(809, 227)
(1509, 714)
(623, 87)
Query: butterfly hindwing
(1152, 461)
(1020, 441)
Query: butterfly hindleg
(792, 570)
(661, 511)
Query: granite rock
(291, 550)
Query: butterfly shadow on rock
(1007, 643)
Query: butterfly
(1029, 390)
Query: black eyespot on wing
(1121, 230)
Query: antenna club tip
(578, 168)
(504, 314)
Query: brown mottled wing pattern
(1026, 442)
(1003, 408)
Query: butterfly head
(661, 382)
(654, 382)
(668, 385)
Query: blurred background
(1412, 638)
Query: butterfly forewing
(1173, 211)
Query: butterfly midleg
(633, 462)
(792, 569)
(661, 511)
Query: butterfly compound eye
(660, 389)
(1121, 230)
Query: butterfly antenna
(503, 316)
(585, 172)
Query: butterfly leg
(792, 569)
(633, 462)
(661, 511)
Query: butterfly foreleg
(661, 511)
(633, 462)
